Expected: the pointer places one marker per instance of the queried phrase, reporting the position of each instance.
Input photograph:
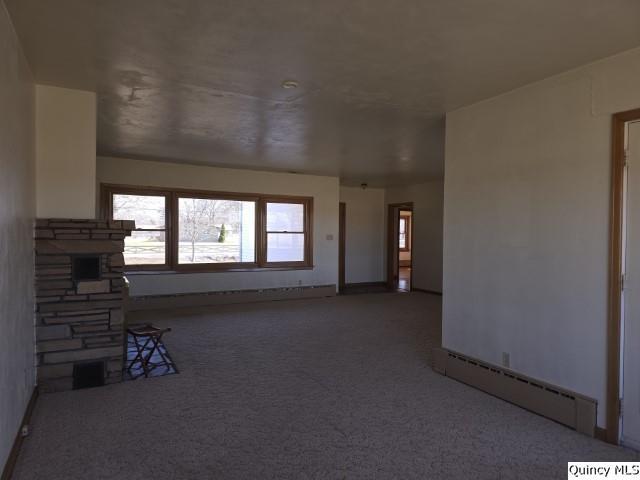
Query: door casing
(612, 432)
(342, 238)
(393, 219)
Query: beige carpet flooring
(337, 388)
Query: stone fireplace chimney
(79, 300)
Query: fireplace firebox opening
(86, 267)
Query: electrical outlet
(506, 359)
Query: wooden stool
(147, 341)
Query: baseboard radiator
(568, 408)
(154, 302)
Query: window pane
(285, 217)
(143, 248)
(285, 247)
(402, 243)
(216, 231)
(146, 210)
(403, 225)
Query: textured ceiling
(199, 81)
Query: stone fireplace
(79, 302)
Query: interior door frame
(393, 219)
(342, 240)
(612, 433)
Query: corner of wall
(65, 123)
(17, 197)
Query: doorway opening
(623, 329)
(342, 239)
(400, 247)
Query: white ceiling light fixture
(289, 84)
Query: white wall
(526, 224)
(65, 152)
(365, 234)
(17, 210)
(325, 193)
(426, 246)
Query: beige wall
(365, 234)
(426, 247)
(65, 152)
(17, 211)
(325, 193)
(526, 224)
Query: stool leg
(140, 348)
(154, 345)
(138, 353)
(166, 362)
(145, 361)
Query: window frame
(407, 232)
(172, 196)
(107, 193)
(207, 267)
(307, 230)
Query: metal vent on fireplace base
(88, 374)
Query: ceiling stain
(200, 81)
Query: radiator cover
(568, 408)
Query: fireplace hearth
(79, 299)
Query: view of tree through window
(193, 230)
(146, 245)
(216, 231)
